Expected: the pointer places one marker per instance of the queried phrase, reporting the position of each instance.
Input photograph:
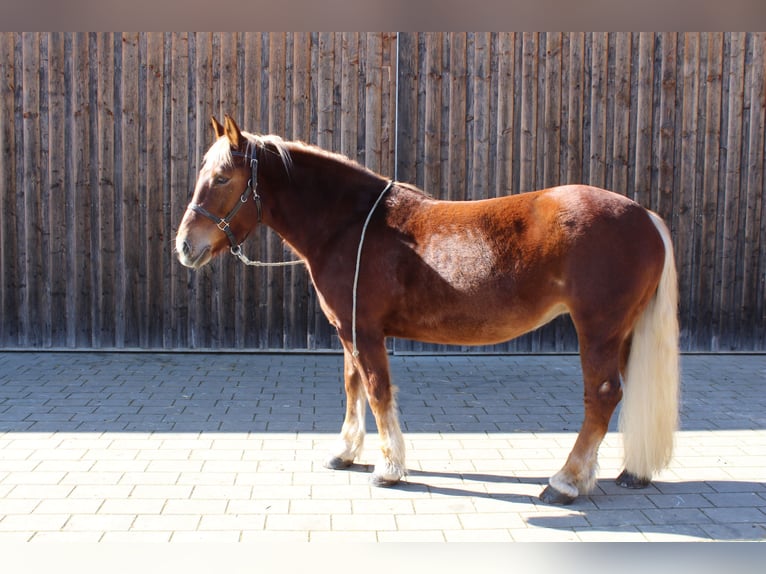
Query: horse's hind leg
(601, 372)
(352, 433)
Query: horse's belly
(475, 325)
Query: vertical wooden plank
(666, 143)
(31, 302)
(95, 296)
(505, 114)
(433, 103)
(407, 112)
(528, 141)
(685, 190)
(56, 178)
(349, 94)
(552, 110)
(10, 300)
(731, 192)
(622, 97)
(180, 186)
(127, 291)
(574, 151)
(388, 104)
(79, 211)
(46, 206)
(707, 220)
(106, 195)
(598, 97)
(373, 103)
(152, 187)
(642, 184)
(166, 244)
(481, 121)
(753, 309)
(325, 88)
(456, 184)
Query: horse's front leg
(373, 370)
(351, 438)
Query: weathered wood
(505, 117)
(373, 103)
(642, 186)
(432, 141)
(753, 308)
(727, 291)
(552, 110)
(597, 113)
(667, 133)
(152, 189)
(701, 323)
(480, 143)
(101, 136)
(10, 290)
(529, 102)
(622, 98)
(79, 206)
(682, 221)
(574, 155)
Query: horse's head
(225, 206)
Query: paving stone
(119, 447)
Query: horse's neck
(309, 212)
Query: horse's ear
(232, 132)
(217, 127)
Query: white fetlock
(387, 473)
(560, 482)
(343, 454)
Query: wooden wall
(101, 136)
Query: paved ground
(227, 447)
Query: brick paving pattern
(229, 447)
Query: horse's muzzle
(191, 257)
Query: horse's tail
(649, 415)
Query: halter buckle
(223, 225)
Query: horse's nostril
(185, 247)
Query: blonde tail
(649, 415)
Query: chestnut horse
(388, 261)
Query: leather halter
(223, 223)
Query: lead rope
(247, 261)
(355, 351)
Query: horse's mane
(220, 152)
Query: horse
(388, 260)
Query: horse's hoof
(554, 496)
(630, 480)
(382, 481)
(337, 463)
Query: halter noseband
(223, 223)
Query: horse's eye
(221, 180)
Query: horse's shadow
(608, 508)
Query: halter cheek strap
(224, 223)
